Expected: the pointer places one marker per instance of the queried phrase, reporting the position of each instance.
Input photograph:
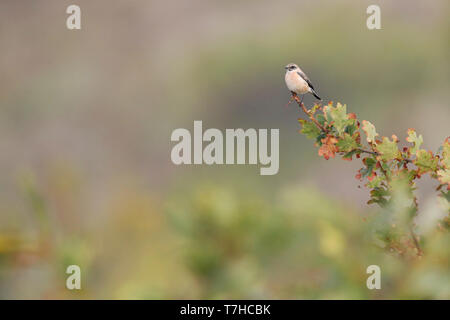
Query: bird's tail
(315, 94)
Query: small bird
(297, 81)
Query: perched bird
(297, 81)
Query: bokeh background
(85, 170)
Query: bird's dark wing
(303, 75)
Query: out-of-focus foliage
(212, 242)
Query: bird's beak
(286, 68)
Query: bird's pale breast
(296, 83)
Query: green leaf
(378, 195)
(321, 119)
(376, 182)
(388, 149)
(370, 161)
(351, 127)
(426, 161)
(370, 165)
(379, 192)
(309, 129)
(416, 140)
(339, 115)
(370, 131)
(347, 143)
(321, 136)
(446, 195)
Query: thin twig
(302, 106)
(367, 151)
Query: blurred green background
(85, 170)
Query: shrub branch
(385, 168)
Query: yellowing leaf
(426, 161)
(388, 149)
(370, 131)
(338, 114)
(347, 143)
(416, 140)
(314, 109)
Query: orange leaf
(328, 148)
